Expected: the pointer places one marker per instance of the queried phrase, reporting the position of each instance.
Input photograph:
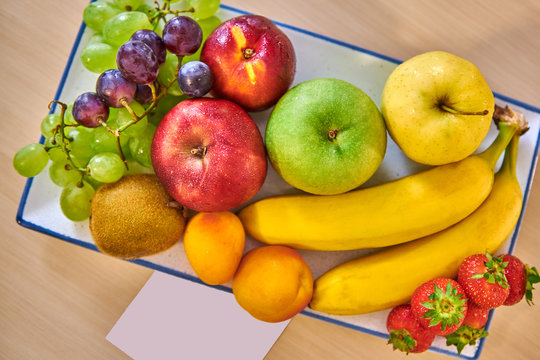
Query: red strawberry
(406, 333)
(482, 277)
(520, 278)
(476, 317)
(440, 305)
(471, 330)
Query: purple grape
(143, 95)
(137, 62)
(112, 87)
(153, 40)
(90, 110)
(195, 79)
(182, 36)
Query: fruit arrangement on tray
(165, 151)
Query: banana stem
(510, 157)
(494, 151)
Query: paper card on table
(173, 318)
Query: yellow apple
(437, 107)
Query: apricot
(214, 243)
(273, 283)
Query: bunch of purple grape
(93, 140)
(138, 62)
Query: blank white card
(173, 318)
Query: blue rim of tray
(21, 221)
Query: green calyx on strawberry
(521, 279)
(494, 271)
(401, 340)
(445, 307)
(463, 336)
(483, 279)
(532, 278)
(440, 305)
(406, 333)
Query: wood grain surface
(58, 300)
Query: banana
(395, 212)
(388, 277)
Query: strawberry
(520, 278)
(406, 333)
(440, 305)
(471, 330)
(476, 317)
(483, 279)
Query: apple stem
(459, 112)
(332, 134)
(173, 204)
(199, 151)
(248, 53)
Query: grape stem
(137, 118)
(164, 10)
(116, 134)
(61, 127)
(152, 106)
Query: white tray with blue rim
(317, 56)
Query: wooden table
(58, 301)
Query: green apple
(437, 107)
(325, 136)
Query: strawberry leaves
(463, 336)
(445, 307)
(532, 278)
(484, 281)
(401, 340)
(440, 305)
(494, 271)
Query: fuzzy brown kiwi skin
(131, 218)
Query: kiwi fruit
(132, 217)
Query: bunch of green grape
(85, 152)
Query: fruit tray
(317, 56)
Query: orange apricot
(214, 243)
(273, 283)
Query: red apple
(209, 154)
(252, 60)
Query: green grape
(163, 107)
(97, 13)
(106, 167)
(96, 39)
(75, 201)
(140, 146)
(127, 5)
(98, 57)
(81, 149)
(147, 9)
(56, 153)
(208, 25)
(30, 160)
(119, 29)
(135, 168)
(49, 123)
(95, 184)
(203, 8)
(123, 117)
(113, 112)
(167, 74)
(68, 115)
(104, 141)
(63, 174)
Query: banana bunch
(383, 215)
(388, 277)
